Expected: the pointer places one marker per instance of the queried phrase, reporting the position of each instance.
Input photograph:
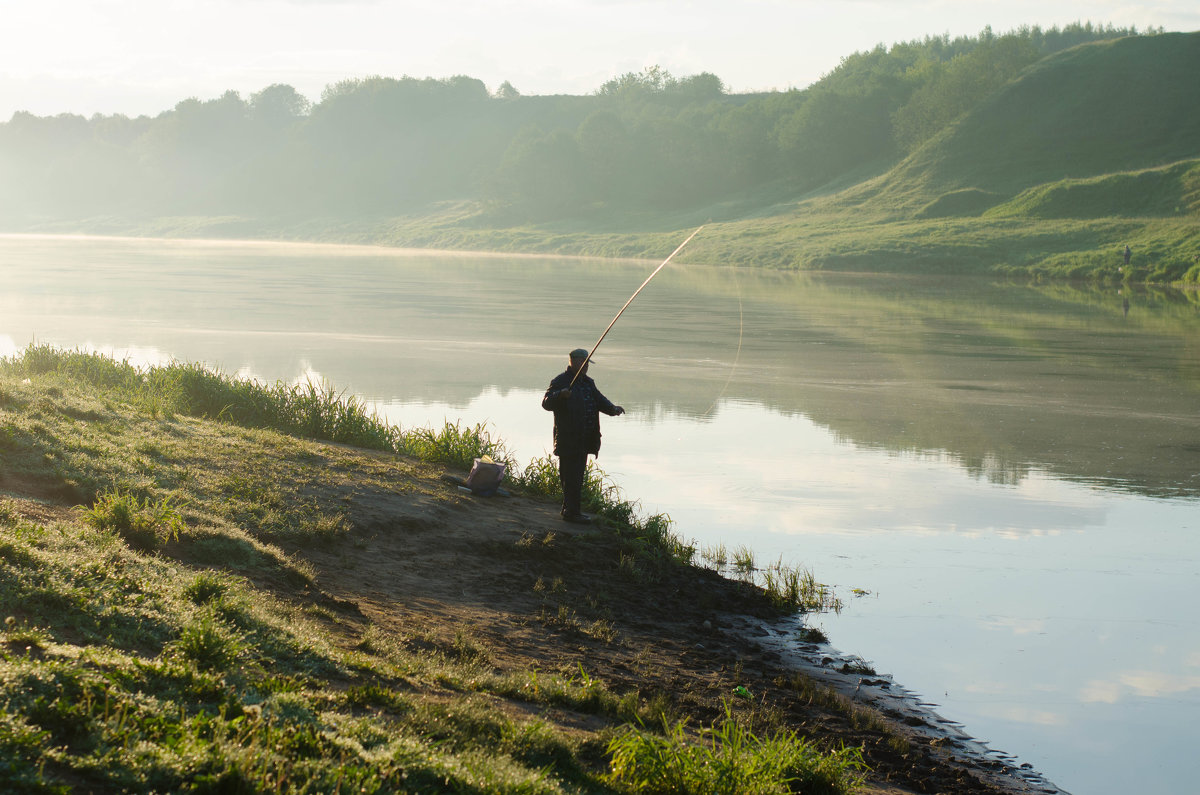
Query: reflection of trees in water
(1165, 304)
(1002, 377)
(995, 470)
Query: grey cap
(578, 355)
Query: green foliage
(792, 588)
(539, 477)
(454, 445)
(1076, 128)
(381, 146)
(948, 89)
(145, 524)
(208, 643)
(731, 760)
(1117, 105)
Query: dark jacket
(576, 418)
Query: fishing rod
(630, 301)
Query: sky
(139, 57)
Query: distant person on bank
(576, 428)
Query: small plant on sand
(811, 635)
(858, 667)
(324, 526)
(468, 649)
(142, 522)
(602, 630)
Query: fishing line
(579, 371)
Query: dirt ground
(538, 593)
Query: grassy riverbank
(216, 586)
(1036, 235)
(819, 236)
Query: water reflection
(1010, 471)
(1001, 378)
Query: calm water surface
(1011, 474)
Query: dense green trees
(380, 146)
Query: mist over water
(1011, 474)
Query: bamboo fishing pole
(630, 301)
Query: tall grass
(729, 760)
(454, 445)
(307, 409)
(650, 536)
(791, 588)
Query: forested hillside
(383, 146)
(1037, 152)
(1116, 106)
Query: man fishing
(576, 403)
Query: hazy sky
(143, 56)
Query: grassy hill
(1099, 108)
(1088, 150)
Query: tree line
(383, 146)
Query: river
(1001, 481)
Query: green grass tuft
(727, 759)
(143, 523)
(208, 643)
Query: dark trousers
(572, 464)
